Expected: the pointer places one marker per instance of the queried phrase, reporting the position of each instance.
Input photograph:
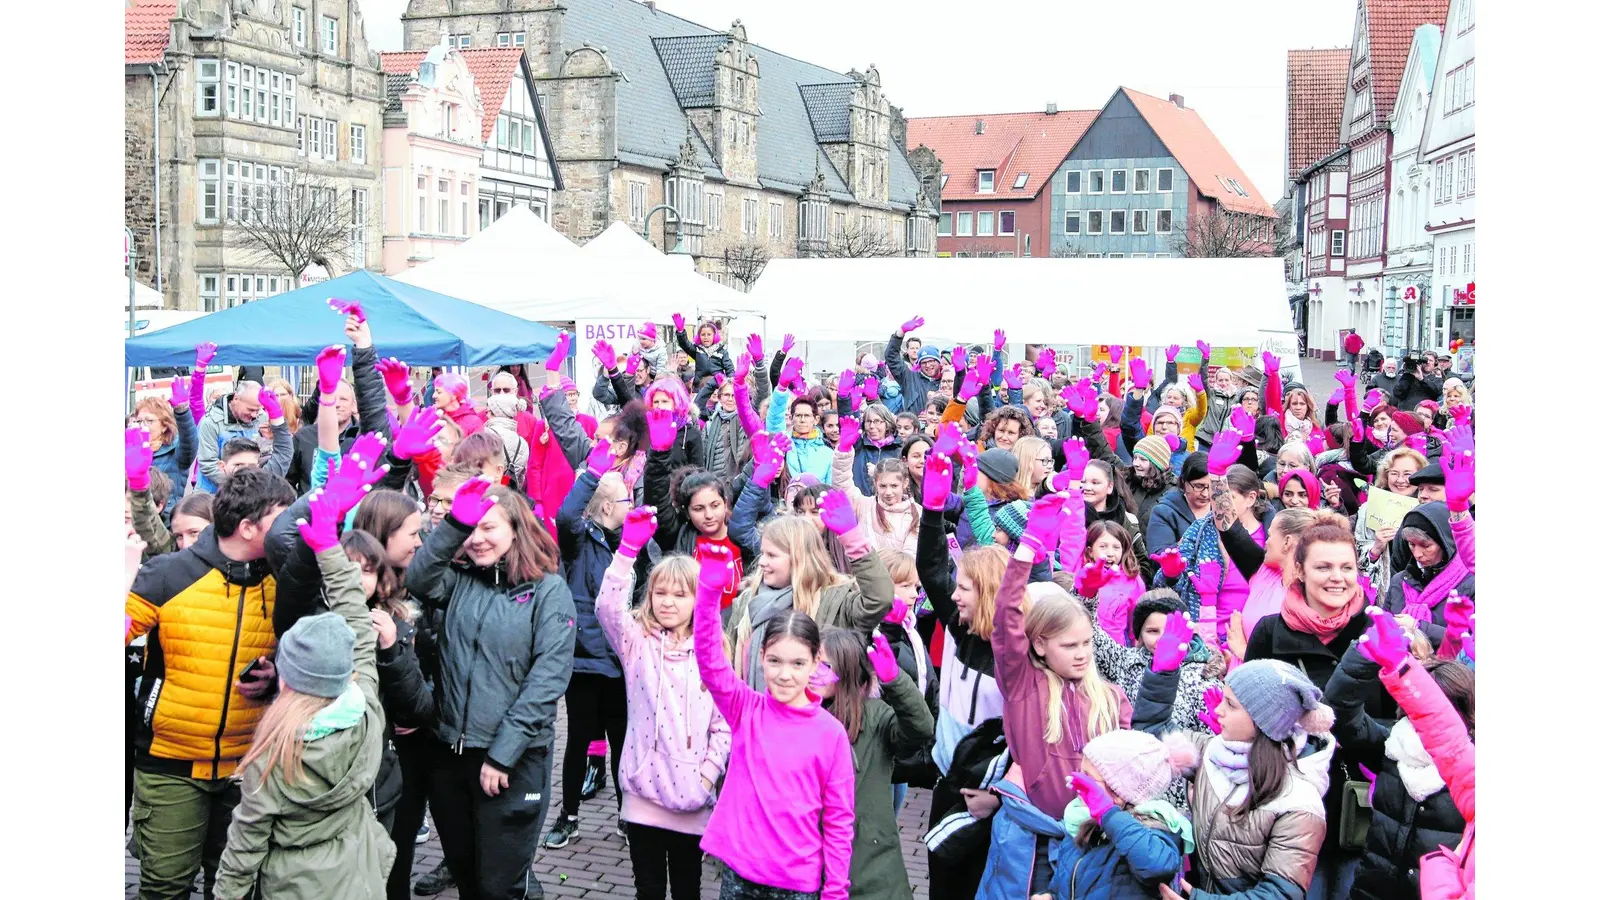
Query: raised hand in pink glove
(204, 353)
(898, 610)
(768, 459)
(1099, 373)
(1174, 442)
(741, 369)
(1418, 442)
(972, 383)
(1212, 701)
(1358, 431)
(1384, 643)
(969, 464)
(1315, 443)
(348, 308)
(754, 346)
(1173, 645)
(1045, 365)
(788, 344)
(601, 458)
(958, 358)
(1093, 795)
(1242, 421)
(1196, 383)
(912, 324)
(1116, 355)
(870, 387)
(632, 366)
(606, 354)
(1204, 348)
(849, 432)
(1461, 415)
(1225, 449)
(137, 457)
(982, 371)
(357, 472)
(884, 665)
(1139, 372)
(1459, 613)
(180, 393)
(847, 383)
(1043, 530)
(396, 378)
(1336, 396)
(637, 530)
(937, 481)
(791, 372)
(1346, 379)
(716, 576)
(1368, 590)
(1172, 353)
(1270, 363)
(1207, 580)
(999, 340)
(322, 532)
(1092, 577)
(1013, 377)
(1170, 560)
(558, 354)
(472, 501)
(678, 323)
(949, 438)
(663, 431)
(1460, 468)
(330, 368)
(1085, 404)
(1372, 401)
(415, 437)
(271, 405)
(836, 512)
(1077, 458)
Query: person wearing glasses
(172, 437)
(1179, 507)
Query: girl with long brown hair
(890, 517)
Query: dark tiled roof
(828, 105)
(394, 89)
(1316, 86)
(651, 123)
(689, 63)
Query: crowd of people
(1139, 636)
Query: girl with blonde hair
(1035, 464)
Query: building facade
(1408, 268)
(254, 97)
(996, 177)
(1314, 106)
(759, 154)
(1449, 150)
(1327, 233)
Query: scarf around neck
(1077, 813)
(1298, 615)
(1417, 771)
(1420, 604)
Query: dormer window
(1021, 182)
(985, 181)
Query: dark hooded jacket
(1169, 519)
(707, 363)
(1434, 520)
(914, 386)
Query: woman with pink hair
(453, 397)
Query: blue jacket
(1008, 873)
(1168, 521)
(585, 556)
(1128, 859)
(1201, 543)
(867, 454)
(176, 458)
(810, 456)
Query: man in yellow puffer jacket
(208, 612)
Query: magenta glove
(847, 383)
(913, 324)
(415, 437)
(197, 394)
(348, 308)
(1099, 373)
(1315, 444)
(663, 431)
(1196, 383)
(1174, 442)
(1043, 530)
(1367, 589)
(871, 387)
(1384, 643)
(677, 322)
(606, 354)
(322, 532)
(357, 472)
(137, 457)
(1358, 432)
(1170, 560)
(754, 347)
(1242, 421)
(1077, 458)
(1418, 442)
(971, 384)
(180, 393)
(849, 432)
(788, 344)
(634, 360)
(1347, 380)
(1172, 353)
(1173, 645)
(1092, 794)
(898, 610)
(1224, 451)
(1336, 396)
(330, 368)
(472, 502)
(271, 405)
(1461, 415)
(558, 354)
(1204, 348)
(1270, 363)
(716, 576)
(637, 530)
(958, 358)
(1091, 578)
(768, 459)
(1046, 364)
(983, 370)
(601, 458)
(948, 440)
(1139, 371)
(741, 369)
(1460, 468)
(969, 464)
(883, 662)
(1459, 613)
(791, 371)
(1212, 700)
(1372, 401)
(1207, 580)
(999, 340)
(834, 507)
(1116, 355)
(1469, 646)
(937, 481)
(1014, 377)
(396, 378)
(204, 353)
(1085, 404)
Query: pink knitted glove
(969, 464)
(788, 344)
(1092, 794)
(678, 322)
(1043, 530)
(322, 532)
(271, 405)
(1196, 383)
(849, 432)
(1139, 371)
(1212, 700)
(836, 512)
(396, 378)
(180, 393)
(1092, 577)
(1243, 422)
(870, 387)
(415, 437)
(936, 482)
(348, 308)
(791, 371)
(958, 358)
(1204, 348)
(606, 355)
(330, 368)
(137, 457)
(1460, 468)
(558, 354)
(1077, 458)
(663, 431)
(1207, 580)
(1173, 645)
(472, 502)
(999, 340)
(637, 530)
(768, 459)
(601, 458)
(884, 664)
(912, 324)
(1172, 352)
(1225, 450)
(1085, 404)
(847, 383)
(741, 369)
(1170, 560)
(1116, 355)
(1174, 442)
(948, 440)
(1384, 643)
(898, 610)
(1045, 365)
(1270, 363)
(753, 346)
(357, 472)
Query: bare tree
(1223, 234)
(1065, 251)
(304, 220)
(745, 261)
(989, 251)
(856, 242)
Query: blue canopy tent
(418, 326)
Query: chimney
(979, 129)
(650, 4)
(1049, 109)
(1177, 100)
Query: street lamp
(680, 249)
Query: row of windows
(219, 291)
(319, 139)
(1455, 177)
(443, 202)
(1117, 221)
(328, 34)
(1459, 88)
(253, 93)
(1366, 228)
(1118, 181)
(1125, 255)
(986, 181)
(989, 224)
(502, 39)
(1454, 260)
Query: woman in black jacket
(709, 355)
(505, 658)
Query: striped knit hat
(1154, 448)
(1012, 518)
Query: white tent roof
(143, 297)
(1144, 302)
(501, 264)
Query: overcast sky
(1226, 57)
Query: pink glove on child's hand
(884, 664)
(1092, 794)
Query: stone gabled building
(760, 153)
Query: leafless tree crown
(1223, 234)
(852, 241)
(303, 221)
(745, 261)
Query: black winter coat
(586, 553)
(1433, 518)
(707, 363)
(371, 408)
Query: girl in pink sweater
(677, 744)
(786, 817)
(1110, 573)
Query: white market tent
(501, 264)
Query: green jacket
(318, 838)
(897, 725)
(148, 525)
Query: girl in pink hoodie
(785, 820)
(1110, 573)
(677, 744)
